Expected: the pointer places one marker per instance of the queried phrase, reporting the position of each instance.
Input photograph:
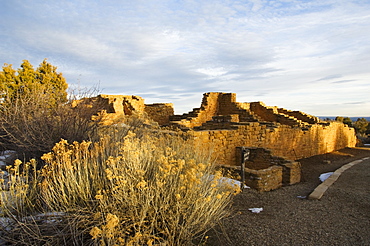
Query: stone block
(291, 173)
(265, 179)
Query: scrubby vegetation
(36, 111)
(361, 126)
(126, 184)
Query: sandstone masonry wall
(198, 116)
(300, 115)
(111, 108)
(289, 142)
(214, 104)
(160, 112)
(222, 124)
(267, 179)
(265, 172)
(273, 114)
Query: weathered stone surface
(109, 109)
(265, 172)
(264, 179)
(160, 112)
(221, 124)
(291, 173)
(291, 134)
(288, 142)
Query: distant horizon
(312, 56)
(351, 117)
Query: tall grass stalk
(150, 189)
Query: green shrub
(20, 83)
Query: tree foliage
(362, 126)
(27, 80)
(345, 120)
(35, 112)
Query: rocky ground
(341, 217)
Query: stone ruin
(265, 172)
(109, 109)
(277, 136)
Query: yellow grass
(129, 188)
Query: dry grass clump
(31, 126)
(143, 188)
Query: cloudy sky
(312, 56)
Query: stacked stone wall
(160, 112)
(291, 173)
(222, 124)
(272, 114)
(265, 179)
(198, 116)
(213, 104)
(300, 115)
(110, 109)
(226, 104)
(289, 142)
(265, 172)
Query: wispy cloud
(285, 53)
(343, 81)
(331, 77)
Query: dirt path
(341, 217)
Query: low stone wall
(289, 142)
(265, 172)
(109, 109)
(265, 179)
(300, 116)
(221, 124)
(160, 112)
(291, 173)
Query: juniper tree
(27, 81)
(35, 112)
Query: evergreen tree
(361, 125)
(344, 120)
(26, 80)
(347, 121)
(33, 108)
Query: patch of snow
(50, 214)
(6, 223)
(233, 182)
(2, 164)
(6, 154)
(255, 210)
(229, 181)
(123, 125)
(325, 176)
(50, 217)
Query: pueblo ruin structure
(276, 136)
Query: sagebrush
(144, 188)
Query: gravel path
(340, 217)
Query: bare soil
(340, 217)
